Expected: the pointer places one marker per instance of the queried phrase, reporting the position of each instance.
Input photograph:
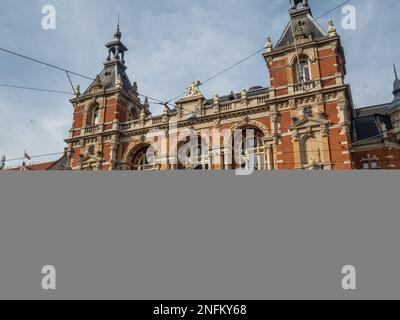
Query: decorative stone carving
(344, 128)
(193, 89)
(243, 95)
(292, 104)
(165, 113)
(342, 106)
(97, 85)
(216, 103)
(146, 104)
(118, 82)
(77, 91)
(299, 33)
(268, 45)
(246, 119)
(142, 117)
(216, 99)
(325, 130)
(90, 150)
(331, 29)
(135, 89)
(319, 99)
(384, 130)
(295, 135)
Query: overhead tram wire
(331, 10)
(150, 98)
(44, 63)
(159, 102)
(68, 73)
(33, 89)
(257, 52)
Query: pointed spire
(396, 87)
(118, 33)
(268, 44)
(146, 103)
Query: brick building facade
(304, 119)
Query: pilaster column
(269, 158)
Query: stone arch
(90, 107)
(132, 149)
(310, 149)
(255, 124)
(302, 66)
(301, 55)
(184, 142)
(181, 138)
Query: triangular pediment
(88, 159)
(308, 123)
(310, 27)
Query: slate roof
(382, 109)
(37, 167)
(113, 67)
(252, 92)
(370, 127)
(367, 122)
(311, 29)
(109, 75)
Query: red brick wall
(279, 73)
(340, 153)
(381, 154)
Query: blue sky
(171, 43)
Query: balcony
(304, 87)
(93, 129)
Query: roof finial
(395, 71)
(118, 32)
(118, 20)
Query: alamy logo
(49, 20)
(349, 21)
(49, 279)
(349, 280)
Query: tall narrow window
(96, 116)
(193, 154)
(303, 71)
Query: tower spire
(396, 87)
(118, 33)
(297, 6)
(118, 20)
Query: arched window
(96, 116)
(250, 148)
(144, 159)
(303, 70)
(194, 154)
(132, 115)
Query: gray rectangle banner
(200, 235)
